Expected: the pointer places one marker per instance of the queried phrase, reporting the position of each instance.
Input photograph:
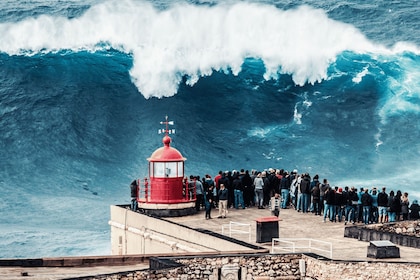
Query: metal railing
(295, 245)
(237, 228)
(166, 192)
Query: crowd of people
(278, 189)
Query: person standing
(316, 199)
(404, 206)
(238, 192)
(223, 201)
(275, 204)
(382, 206)
(305, 189)
(284, 189)
(374, 212)
(338, 205)
(359, 215)
(314, 182)
(393, 205)
(259, 190)
(323, 188)
(366, 204)
(134, 194)
(266, 188)
(329, 204)
(295, 191)
(197, 186)
(217, 187)
(248, 189)
(208, 200)
(398, 195)
(351, 206)
(414, 210)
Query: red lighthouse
(166, 194)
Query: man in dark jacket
(414, 210)
(329, 203)
(284, 189)
(238, 192)
(382, 205)
(351, 205)
(316, 199)
(134, 194)
(366, 204)
(305, 189)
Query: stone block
(230, 272)
(382, 249)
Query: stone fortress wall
(268, 267)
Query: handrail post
(146, 188)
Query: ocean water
(326, 87)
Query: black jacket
(366, 199)
(305, 185)
(382, 199)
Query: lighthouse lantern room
(166, 194)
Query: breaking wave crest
(188, 42)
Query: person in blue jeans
(238, 192)
(366, 204)
(393, 205)
(134, 188)
(208, 200)
(284, 189)
(351, 206)
(329, 204)
(259, 192)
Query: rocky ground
(411, 228)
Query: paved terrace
(292, 225)
(296, 225)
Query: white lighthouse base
(167, 210)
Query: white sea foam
(360, 75)
(297, 117)
(193, 41)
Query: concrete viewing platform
(292, 225)
(295, 224)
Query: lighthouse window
(159, 169)
(167, 169)
(180, 169)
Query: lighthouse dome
(166, 153)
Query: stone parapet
(344, 270)
(272, 267)
(364, 233)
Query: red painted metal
(267, 219)
(166, 173)
(166, 153)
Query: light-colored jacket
(258, 183)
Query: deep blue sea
(326, 87)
